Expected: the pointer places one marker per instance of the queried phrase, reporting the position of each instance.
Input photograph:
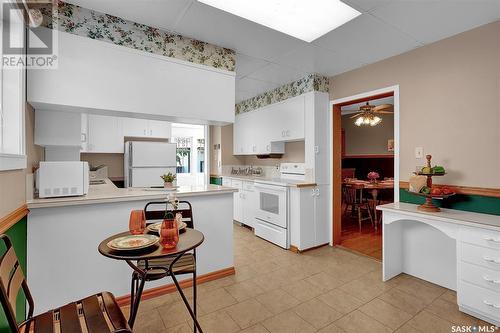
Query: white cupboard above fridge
(145, 128)
(93, 133)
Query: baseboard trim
(469, 190)
(9, 220)
(170, 288)
(295, 249)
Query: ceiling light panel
(303, 19)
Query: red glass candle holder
(137, 222)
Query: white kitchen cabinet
(252, 135)
(309, 216)
(134, 127)
(55, 128)
(286, 119)
(104, 134)
(160, 129)
(244, 201)
(249, 204)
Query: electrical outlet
(419, 152)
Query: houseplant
(168, 180)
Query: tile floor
(324, 290)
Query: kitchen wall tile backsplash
(111, 29)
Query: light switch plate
(419, 152)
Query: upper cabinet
(147, 128)
(305, 117)
(105, 134)
(265, 130)
(95, 75)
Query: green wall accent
(18, 236)
(216, 180)
(469, 203)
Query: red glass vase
(169, 234)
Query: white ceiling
(267, 59)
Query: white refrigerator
(145, 162)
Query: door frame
(336, 152)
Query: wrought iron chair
(159, 268)
(94, 314)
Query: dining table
(374, 187)
(188, 240)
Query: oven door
(272, 204)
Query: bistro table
(188, 240)
(374, 189)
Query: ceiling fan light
(375, 121)
(359, 121)
(366, 121)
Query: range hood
(274, 155)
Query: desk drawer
(479, 299)
(481, 276)
(481, 256)
(481, 237)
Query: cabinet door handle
(150, 132)
(488, 303)
(84, 137)
(144, 132)
(491, 239)
(488, 279)
(282, 134)
(287, 133)
(489, 259)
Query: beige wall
(367, 140)
(13, 183)
(449, 103)
(114, 162)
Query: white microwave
(62, 179)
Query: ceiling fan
(367, 114)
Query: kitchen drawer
(482, 237)
(271, 233)
(248, 186)
(481, 276)
(479, 299)
(237, 183)
(481, 256)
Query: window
(12, 96)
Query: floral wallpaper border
(312, 82)
(111, 29)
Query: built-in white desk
(455, 249)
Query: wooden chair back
(11, 281)
(348, 173)
(161, 207)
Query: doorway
(365, 168)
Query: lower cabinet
(309, 222)
(245, 200)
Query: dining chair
(159, 268)
(358, 203)
(98, 313)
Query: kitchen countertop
(108, 192)
(273, 180)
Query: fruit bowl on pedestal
(428, 191)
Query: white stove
(272, 212)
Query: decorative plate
(155, 227)
(133, 242)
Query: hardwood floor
(367, 242)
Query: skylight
(303, 19)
